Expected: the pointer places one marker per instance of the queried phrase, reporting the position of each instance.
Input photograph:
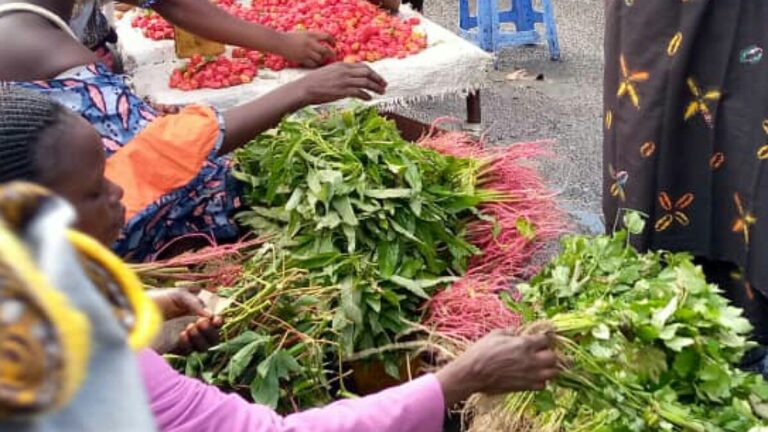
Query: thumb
(190, 304)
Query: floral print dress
(686, 133)
(204, 206)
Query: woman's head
(42, 142)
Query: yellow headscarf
(44, 338)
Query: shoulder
(33, 50)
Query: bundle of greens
(279, 348)
(364, 228)
(648, 343)
(360, 208)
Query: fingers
(309, 63)
(548, 374)
(546, 359)
(325, 52)
(539, 342)
(315, 58)
(323, 37)
(191, 304)
(367, 84)
(361, 94)
(199, 336)
(363, 71)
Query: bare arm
(392, 5)
(331, 83)
(203, 18)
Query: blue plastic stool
(484, 29)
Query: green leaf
(237, 342)
(392, 369)
(388, 193)
(240, 361)
(373, 302)
(648, 363)
(661, 316)
(715, 382)
(731, 318)
(544, 401)
(760, 389)
(351, 235)
(266, 390)
(686, 362)
(415, 204)
(678, 343)
(525, 228)
(343, 207)
(388, 256)
(350, 300)
(313, 182)
(329, 221)
(669, 332)
(634, 223)
(284, 364)
(295, 199)
(411, 285)
(413, 177)
(404, 232)
(601, 331)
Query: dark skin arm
(331, 83)
(392, 5)
(200, 17)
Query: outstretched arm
(182, 403)
(207, 20)
(329, 84)
(497, 364)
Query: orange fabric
(165, 156)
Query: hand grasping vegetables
(498, 363)
(197, 336)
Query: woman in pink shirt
(42, 142)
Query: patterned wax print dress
(205, 204)
(686, 135)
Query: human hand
(199, 336)
(176, 303)
(307, 48)
(106, 57)
(339, 81)
(163, 110)
(499, 363)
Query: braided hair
(25, 115)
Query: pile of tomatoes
(216, 73)
(363, 32)
(153, 26)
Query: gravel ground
(565, 106)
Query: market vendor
(42, 142)
(175, 199)
(686, 138)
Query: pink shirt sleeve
(182, 404)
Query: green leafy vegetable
(652, 345)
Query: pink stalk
(471, 307)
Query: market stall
(448, 67)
